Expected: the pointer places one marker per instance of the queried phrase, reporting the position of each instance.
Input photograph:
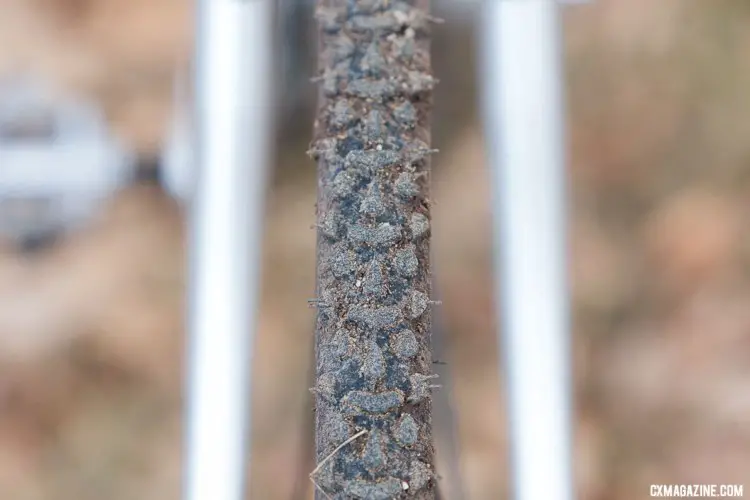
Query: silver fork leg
(233, 127)
(523, 116)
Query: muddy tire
(373, 357)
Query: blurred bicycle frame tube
(233, 126)
(521, 74)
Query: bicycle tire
(373, 422)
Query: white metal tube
(232, 121)
(523, 106)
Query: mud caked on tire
(373, 354)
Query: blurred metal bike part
(233, 128)
(178, 168)
(523, 116)
(292, 34)
(57, 162)
(295, 37)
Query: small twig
(330, 455)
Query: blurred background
(91, 297)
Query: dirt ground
(92, 331)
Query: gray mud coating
(367, 88)
(339, 344)
(374, 128)
(342, 49)
(419, 226)
(376, 318)
(385, 234)
(404, 344)
(329, 225)
(344, 184)
(326, 386)
(341, 115)
(382, 490)
(343, 262)
(373, 61)
(420, 386)
(373, 364)
(381, 235)
(406, 188)
(373, 455)
(374, 282)
(419, 474)
(372, 160)
(407, 430)
(406, 114)
(418, 302)
(406, 262)
(372, 147)
(373, 204)
(337, 427)
(373, 402)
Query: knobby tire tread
(372, 337)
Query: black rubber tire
(373, 357)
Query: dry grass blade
(327, 458)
